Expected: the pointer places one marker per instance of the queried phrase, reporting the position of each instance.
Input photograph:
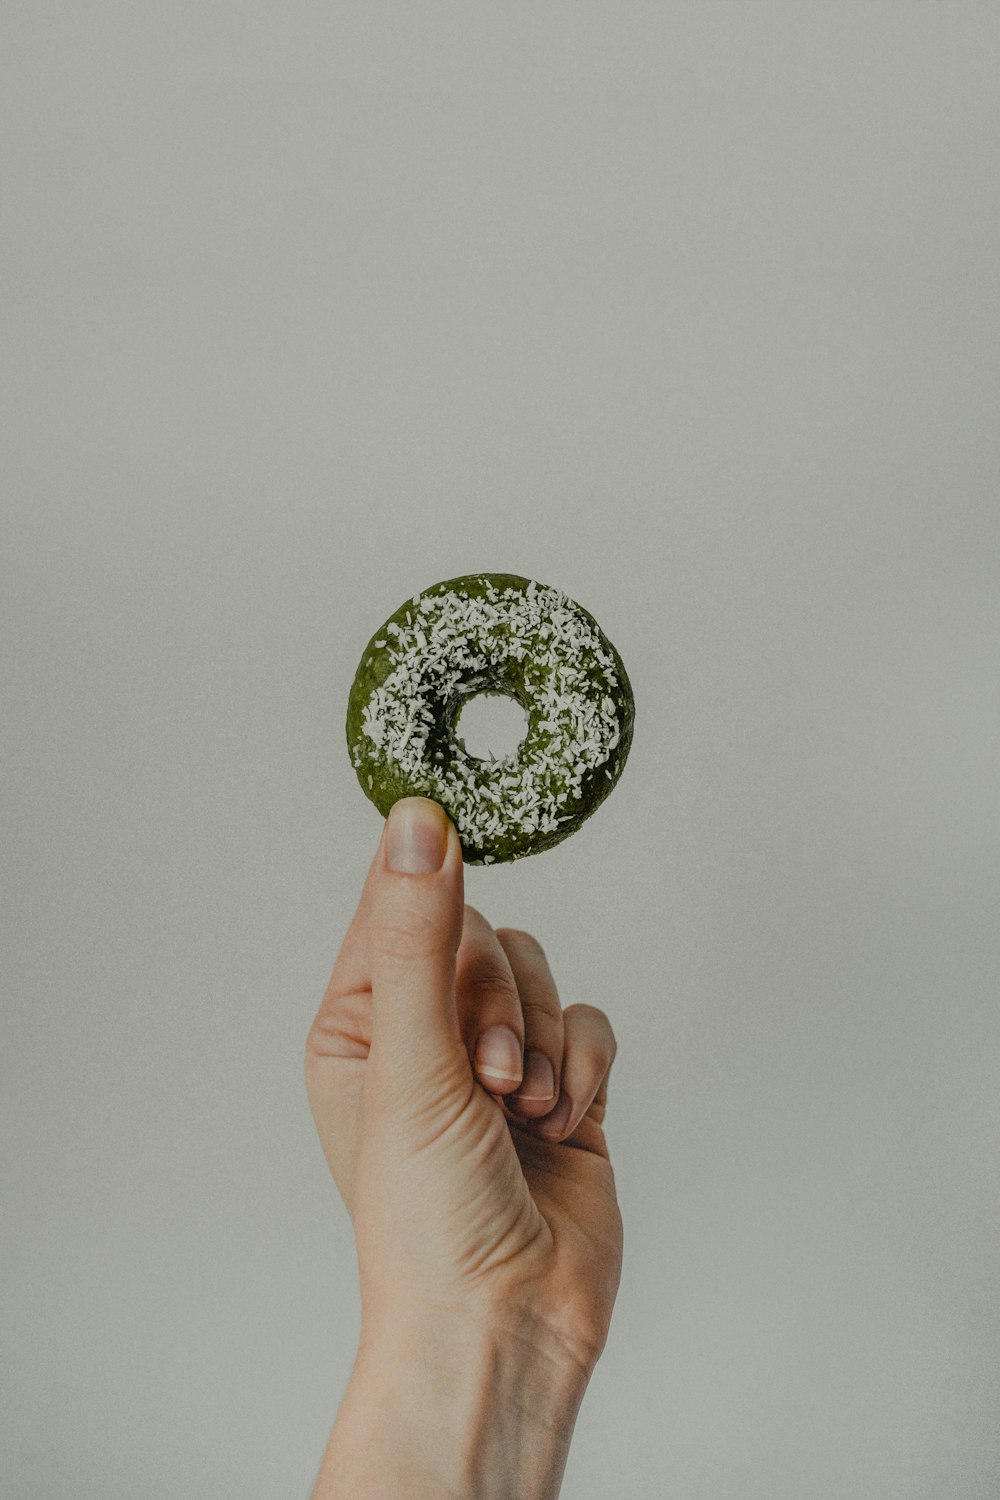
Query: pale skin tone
(489, 1239)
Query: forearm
(485, 1417)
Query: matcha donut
(492, 633)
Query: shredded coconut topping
(452, 646)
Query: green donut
(501, 634)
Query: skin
(489, 1238)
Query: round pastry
(492, 633)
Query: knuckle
(521, 939)
(586, 1331)
(312, 1048)
(490, 979)
(590, 1013)
(408, 933)
(318, 1038)
(334, 1034)
(538, 1010)
(597, 1023)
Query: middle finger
(544, 1034)
(489, 1008)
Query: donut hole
(493, 726)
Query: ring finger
(590, 1049)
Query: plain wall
(693, 311)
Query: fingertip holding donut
(492, 633)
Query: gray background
(692, 310)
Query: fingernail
(555, 1123)
(498, 1054)
(539, 1080)
(417, 837)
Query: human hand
(472, 1209)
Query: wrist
(471, 1414)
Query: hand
(472, 1208)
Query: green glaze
(520, 680)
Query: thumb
(414, 928)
